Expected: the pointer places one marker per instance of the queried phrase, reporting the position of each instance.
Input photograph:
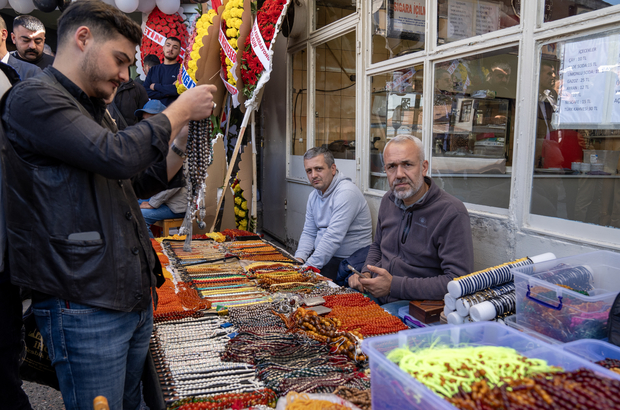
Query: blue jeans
(158, 214)
(95, 351)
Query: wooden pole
(231, 164)
(254, 181)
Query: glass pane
(397, 28)
(299, 100)
(473, 126)
(559, 9)
(328, 11)
(578, 131)
(335, 96)
(396, 108)
(458, 19)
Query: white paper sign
(615, 100)
(487, 17)
(408, 16)
(584, 82)
(460, 19)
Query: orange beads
(357, 312)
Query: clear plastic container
(593, 350)
(564, 314)
(392, 388)
(512, 322)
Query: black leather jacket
(65, 173)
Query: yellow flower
(238, 13)
(194, 55)
(244, 205)
(192, 65)
(233, 43)
(238, 200)
(236, 211)
(232, 32)
(241, 214)
(237, 23)
(226, 14)
(228, 62)
(237, 188)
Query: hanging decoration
(46, 6)
(127, 6)
(22, 6)
(168, 6)
(255, 65)
(146, 6)
(187, 75)
(159, 26)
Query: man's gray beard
(408, 193)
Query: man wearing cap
(168, 204)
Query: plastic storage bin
(392, 388)
(512, 322)
(562, 314)
(593, 350)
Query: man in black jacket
(75, 231)
(29, 37)
(13, 397)
(130, 96)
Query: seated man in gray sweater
(338, 220)
(423, 236)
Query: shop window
(459, 19)
(473, 126)
(398, 28)
(330, 11)
(396, 108)
(559, 9)
(578, 131)
(299, 102)
(335, 96)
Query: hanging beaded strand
(199, 157)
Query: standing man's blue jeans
(157, 214)
(95, 351)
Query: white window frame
(528, 35)
(310, 42)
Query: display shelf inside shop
(231, 322)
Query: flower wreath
(251, 67)
(190, 63)
(167, 25)
(231, 17)
(241, 206)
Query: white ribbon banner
(155, 37)
(228, 50)
(231, 89)
(259, 47)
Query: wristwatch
(177, 151)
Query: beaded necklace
(199, 157)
